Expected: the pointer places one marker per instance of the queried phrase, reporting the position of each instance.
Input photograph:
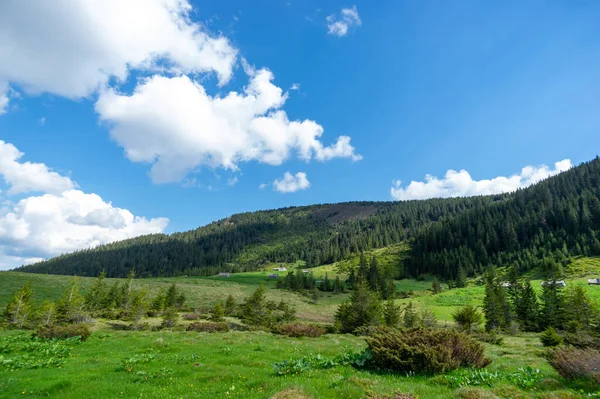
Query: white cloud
(232, 181)
(73, 48)
(3, 99)
(338, 25)
(42, 121)
(173, 124)
(295, 86)
(291, 183)
(63, 219)
(460, 184)
(26, 177)
(263, 185)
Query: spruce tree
(374, 277)
(230, 305)
(70, 308)
(392, 313)
(95, 298)
(461, 278)
(363, 269)
(19, 311)
(217, 313)
(552, 312)
(527, 308)
(435, 286)
(580, 311)
(362, 309)
(411, 318)
(47, 313)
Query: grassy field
(178, 364)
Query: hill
(548, 222)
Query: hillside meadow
(239, 364)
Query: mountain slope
(548, 222)
(554, 219)
(317, 234)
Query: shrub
(467, 317)
(217, 314)
(362, 309)
(299, 330)
(550, 337)
(190, 316)
(424, 350)
(61, 332)
(574, 363)
(489, 337)
(170, 318)
(210, 326)
(582, 339)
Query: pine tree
(70, 308)
(230, 305)
(435, 286)
(461, 278)
(337, 285)
(351, 279)
(363, 269)
(96, 296)
(495, 303)
(391, 313)
(362, 309)
(552, 309)
(47, 313)
(527, 308)
(19, 311)
(217, 313)
(411, 318)
(373, 276)
(580, 310)
(254, 309)
(170, 318)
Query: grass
(239, 364)
(235, 364)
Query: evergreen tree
(230, 305)
(552, 309)
(217, 313)
(170, 318)
(392, 314)
(95, 298)
(461, 278)
(47, 313)
(254, 309)
(527, 308)
(435, 286)
(580, 310)
(373, 275)
(362, 309)
(467, 317)
(411, 317)
(337, 285)
(363, 269)
(351, 279)
(19, 311)
(70, 308)
(495, 304)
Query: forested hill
(317, 234)
(551, 220)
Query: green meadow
(238, 364)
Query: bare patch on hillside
(338, 213)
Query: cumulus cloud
(461, 184)
(3, 99)
(338, 25)
(26, 176)
(291, 183)
(63, 219)
(72, 48)
(175, 125)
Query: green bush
(550, 337)
(423, 350)
(574, 363)
(489, 337)
(210, 326)
(61, 332)
(299, 330)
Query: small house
(306, 271)
(280, 269)
(558, 283)
(224, 274)
(594, 281)
(273, 276)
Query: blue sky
(419, 88)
